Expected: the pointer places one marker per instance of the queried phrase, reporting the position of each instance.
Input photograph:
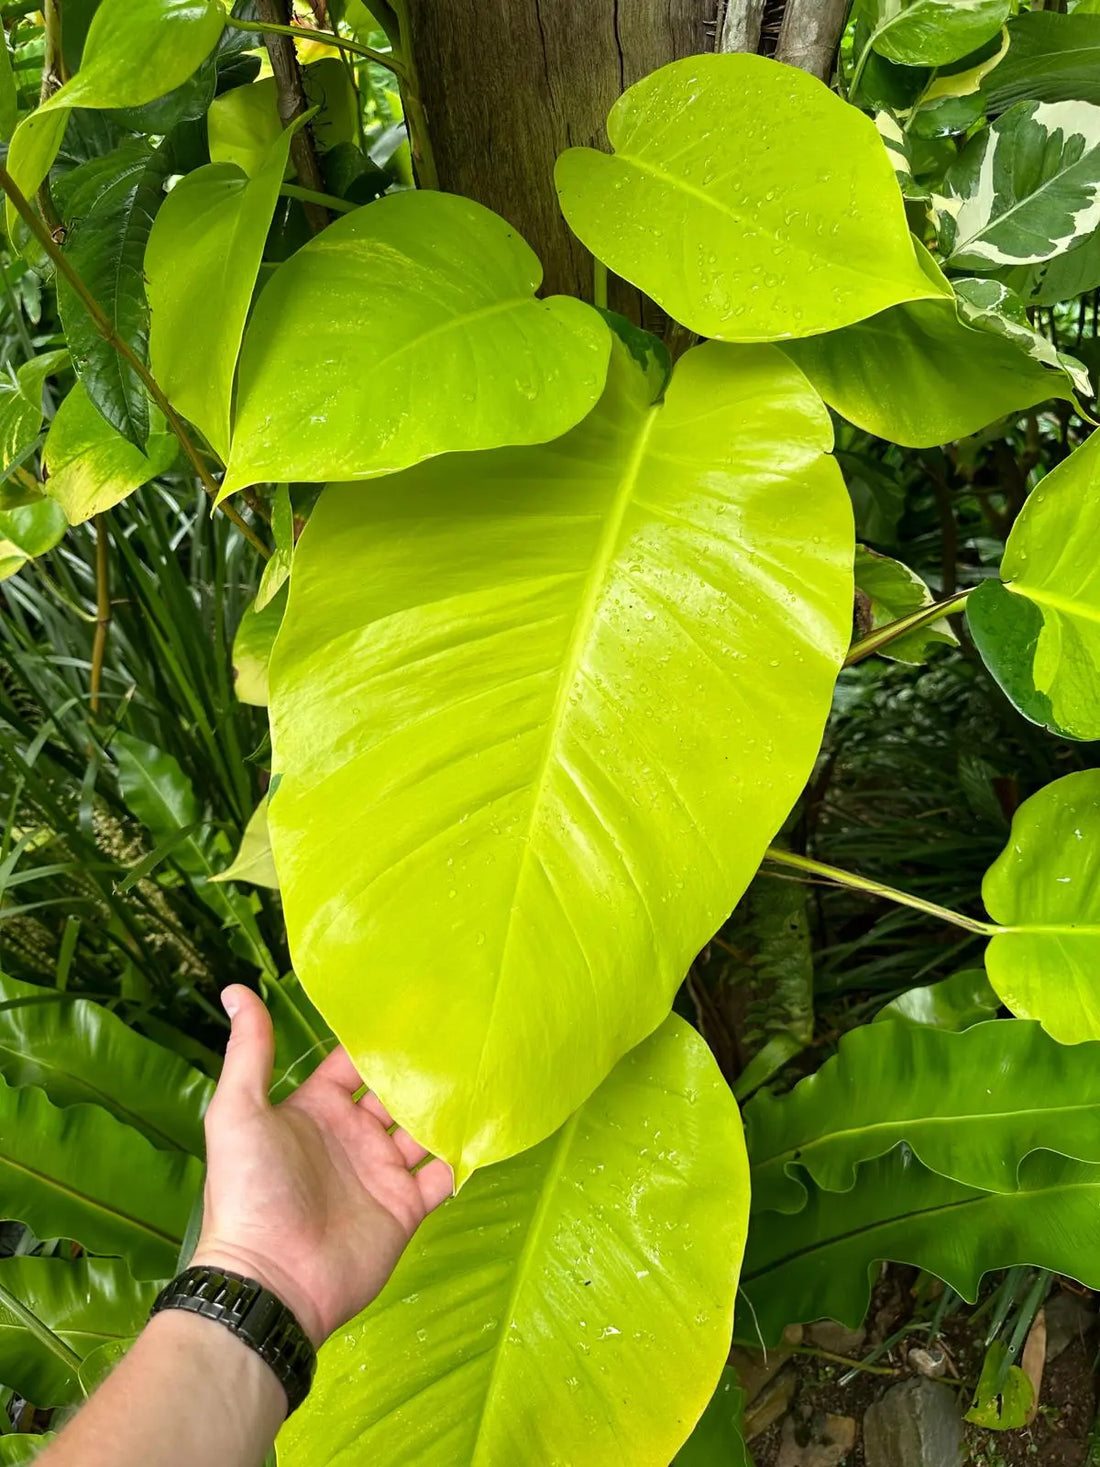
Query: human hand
(313, 1198)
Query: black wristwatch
(255, 1315)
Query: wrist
(266, 1271)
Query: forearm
(188, 1392)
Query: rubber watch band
(255, 1315)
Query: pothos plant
(550, 661)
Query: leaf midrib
(1065, 604)
(116, 1213)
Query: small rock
(830, 1439)
(755, 1368)
(928, 1360)
(770, 1404)
(828, 1335)
(916, 1424)
(1068, 1318)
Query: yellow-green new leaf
(1038, 627)
(573, 1305)
(91, 467)
(201, 264)
(1044, 887)
(544, 722)
(747, 199)
(253, 862)
(433, 297)
(135, 50)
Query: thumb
(250, 1053)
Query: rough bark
(741, 26)
(810, 34)
(506, 85)
(292, 102)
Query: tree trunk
(509, 84)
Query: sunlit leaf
(91, 466)
(201, 264)
(749, 241)
(488, 733)
(253, 862)
(572, 1305)
(252, 649)
(1038, 627)
(437, 295)
(1043, 886)
(243, 124)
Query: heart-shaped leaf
(747, 199)
(490, 739)
(1038, 627)
(929, 32)
(1043, 887)
(436, 293)
(595, 1285)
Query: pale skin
(315, 1198)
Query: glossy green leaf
(110, 203)
(243, 124)
(892, 591)
(1005, 1397)
(252, 646)
(78, 1051)
(919, 374)
(91, 466)
(954, 1003)
(717, 1440)
(437, 295)
(135, 50)
(79, 1173)
(159, 794)
(201, 265)
(86, 1302)
(1043, 885)
(971, 1105)
(1038, 627)
(930, 32)
(819, 1263)
(573, 1304)
(502, 686)
(21, 408)
(21, 1448)
(745, 243)
(28, 531)
(1052, 58)
(1024, 189)
(253, 862)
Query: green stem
(41, 1331)
(839, 1359)
(853, 85)
(328, 38)
(876, 888)
(881, 636)
(311, 196)
(124, 350)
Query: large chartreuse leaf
(78, 1051)
(1051, 58)
(573, 1305)
(109, 205)
(135, 50)
(971, 1105)
(926, 373)
(747, 199)
(1038, 627)
(201, 264)
(818, 1263)
(77, 1172)
(407, 329)
(929, 32)
(490, 744)
(1024, 189)
(86, 1302)
(91, 467)
(1043, 886)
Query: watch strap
(255, 1315)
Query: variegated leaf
(991, 306)
(1024, 189)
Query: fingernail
(230, 1001)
